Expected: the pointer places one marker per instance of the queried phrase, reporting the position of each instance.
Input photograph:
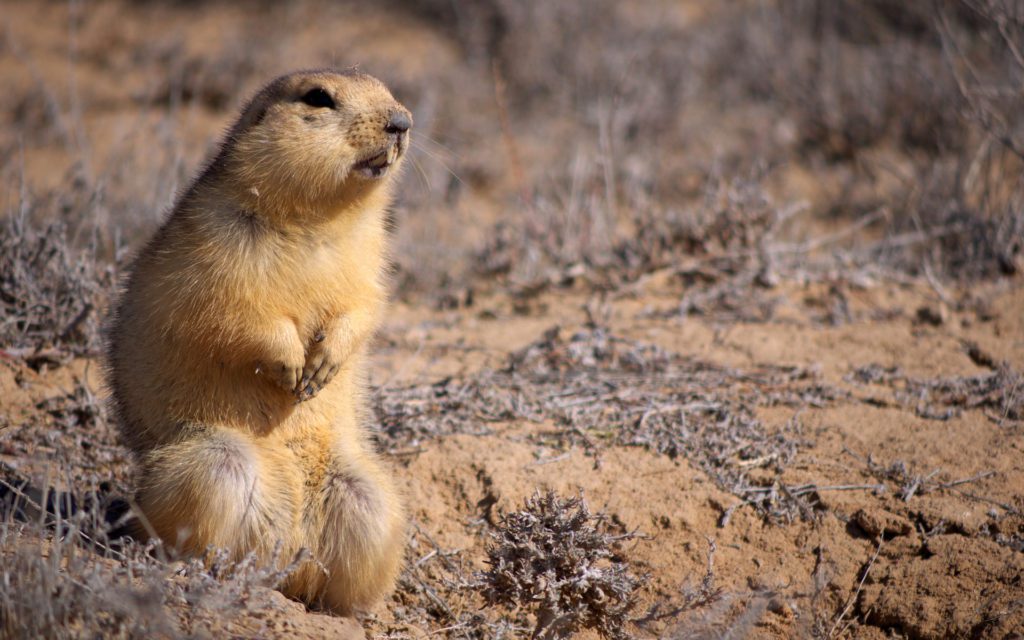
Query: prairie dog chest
(317, 275)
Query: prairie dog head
(312, 141)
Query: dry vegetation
(553, 556)
(50, 291)
(765, 254)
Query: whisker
(435, 157)
(432, 154)
(434, 142)
(421, 173)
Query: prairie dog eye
(318, 98)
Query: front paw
(284, 373)
(322, 363)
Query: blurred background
(556, 144)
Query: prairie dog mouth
(377, 165)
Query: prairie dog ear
(252, 119)
(252, 114)
(256, 109)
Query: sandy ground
(878, 491)
(940, 562)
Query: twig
(18, 492)
(446, 629)
(510, 143)
(1002, 505)
(812, 488)
(853, 598)
(974, 478)
(440, 552)
(558, 458)
(425, 558)
(827, 239)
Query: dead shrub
(967, 207)
(850, 74)
(60, 577)
(50, 292)
(565, 54)
(602, 390)
(588, 235)
(1000, 393)
(959, 223)
(557, 558)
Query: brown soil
(884, 495)
(943, 563)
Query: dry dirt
(876, 488)
(943, 562)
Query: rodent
(236, 354)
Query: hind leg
(215, 489)
(357, 533)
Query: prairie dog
(236, 353)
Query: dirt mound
(955, 587)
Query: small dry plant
(999, 393)
(557, 558)
(49, 293)
(599, 390)
(60, 577)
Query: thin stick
(23, 495)
(974, 478)
(518, 174)
(1002, 505)
(809, 488)
(440, 552)
(830, 238)
(860, 585)
(143, 520)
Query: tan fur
(237, 352)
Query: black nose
(399, 122)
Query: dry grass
(581, 238)
(601, 390)
(1000, 394)
(851, 74)
(50, 293)
(63, 578)
(437, 590)
(852, 77)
